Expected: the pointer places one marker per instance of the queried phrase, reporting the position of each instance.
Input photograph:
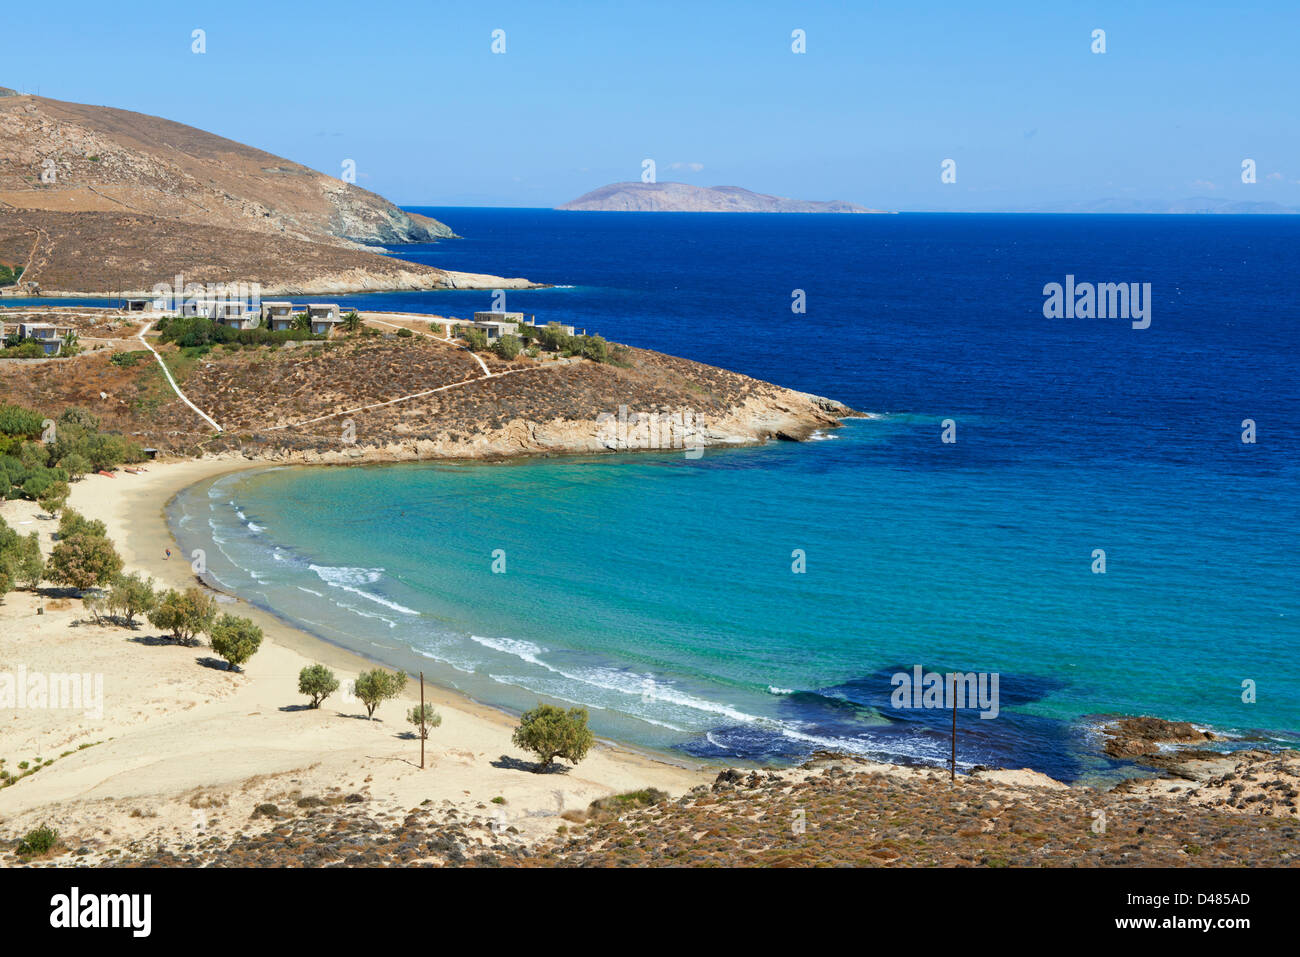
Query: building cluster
(322, 317)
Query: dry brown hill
(412, 397)
(102, 159)
(101, 201)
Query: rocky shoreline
(754, 423)
(834, 810)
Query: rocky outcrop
(1136, 737)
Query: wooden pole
(953, 767)
(421, 720)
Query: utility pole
(421, 720)
(953, 766)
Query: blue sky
(585, 91)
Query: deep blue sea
(660, 591)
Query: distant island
(684, 198)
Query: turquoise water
(659, 591)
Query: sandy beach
(185, 749)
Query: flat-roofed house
(531, 322)
(495, 316)
(324, 318)
(497, 324)
(495, 329)
(236, 315)
(47, 334)
(277, 316)
(138, 305)
(199, 307)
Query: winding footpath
(172, 382)
(487, 374)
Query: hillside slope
(102, 201)
(404, 398)
(110, 160)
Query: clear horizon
(581, 95)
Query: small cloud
(1203, 184)
(1276, 177)
(693, 167)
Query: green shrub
(15, 420)
(34, 455)
(26, 349)
(554, 339)
(192, 332)
(54, 497)
(73, 522)
(475, 338)
(507, 347)
(38, 841)
(76, 465)
(594, 348)
(25, 562)
(404, 333)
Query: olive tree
(424, 717)
(375, 687)
(184, 614)
(551, 732)
(235, 639)
(318, 683)
(131, 595)
(83, 560)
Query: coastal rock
(1132, 737)
(1020, 778)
